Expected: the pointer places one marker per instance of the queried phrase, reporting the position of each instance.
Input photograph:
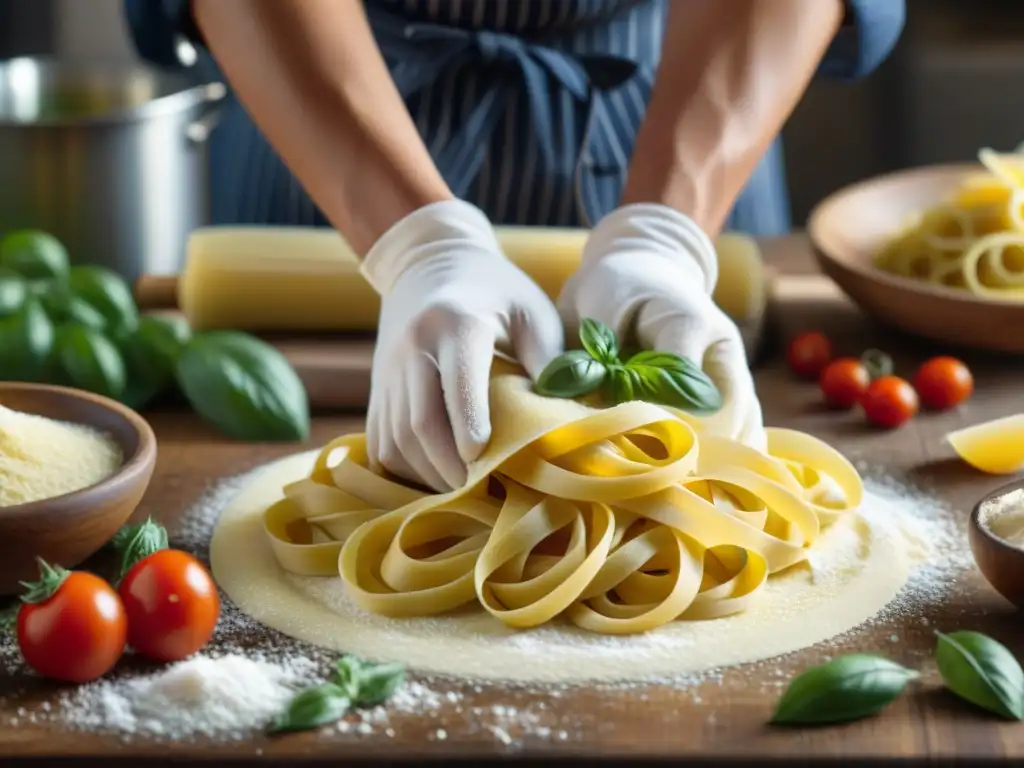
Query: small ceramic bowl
(848, 228)
(1001, 563)
(65, 530)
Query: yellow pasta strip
(618, 520)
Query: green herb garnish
(654, 377)
(572, 374)
(848, 688)
(981, 671)
(354, 683)
(313, 707)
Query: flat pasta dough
(618, 520)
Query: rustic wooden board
(723, 717)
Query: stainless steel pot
(110, 157)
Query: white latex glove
(648, 272)
(450, 298)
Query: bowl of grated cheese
(73, 468)
(996, 532)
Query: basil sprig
(354, 683)
(654, 377)
(847, 688)
(981, 671)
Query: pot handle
(199, 130)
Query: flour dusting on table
(527, 714)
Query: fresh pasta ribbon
(974, 241)
(620, 519)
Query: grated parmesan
(41, 458)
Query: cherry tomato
(172, 605)
(844, 382)
(889, 402)
(943, 382)
(78, 633)
(809, 353)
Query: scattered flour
(443, 706)
(227, 696)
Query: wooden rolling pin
(157, 292)
(307, 280)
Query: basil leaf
(378, 682)
(571, 374)
(13, 292)
(313, 707)
(668, 379)
(137, 542)
(80, 312)
(348, 675)
(244, 387)
(844, 689)
(26, 343)
(90, 361)
(599, 340)
(151, 353)
(109, 293)
(146, 378)
(166, 336)
(35, 255)
(982, 671)
(623, 384)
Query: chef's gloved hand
(450, 298)
(648, 272)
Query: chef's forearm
(731, 73)
(311, 76)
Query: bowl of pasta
(936, 251)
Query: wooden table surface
(722, 717)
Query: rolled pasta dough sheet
(859, 567)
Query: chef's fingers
(464, 359)
(537, 336)
(684, 335)
(375, 423)
(725, 362)
(397, 451)
(431, 431)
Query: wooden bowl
(1001, 563)
(849, 227)
(65, 530)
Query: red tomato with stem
(72, 625)
(171, 603)
(809, 353)
(844, 382)
(889, 402)
(943, 383)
